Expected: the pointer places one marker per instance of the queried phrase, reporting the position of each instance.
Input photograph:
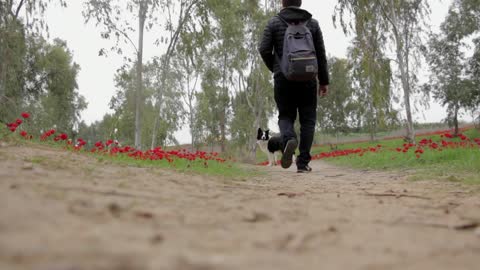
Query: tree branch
(127, 37)
(20, 5)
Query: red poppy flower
(25, 115)
(419, 151)
(23, 133)
(63, 136)
(19, 121)
(12, 125)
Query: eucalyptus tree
(116, 20)
(226, 54)
(61, 100)
(334, 110)
(468, 26)
(179, 14)
(401, 23)
(172, 113)
(189, 62)
(209, 106)
(192, 68)
(449, 83)
(372, 79)
(21, 23)
(454, 76)
(475, 75)
(123, 103)
(252, 104)
(27, 12)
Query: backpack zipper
(302, 58)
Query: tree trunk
(157, 117)
(410, 136)
(455, 120)
(139, 93)
(184, 16)
(253, 143)
(223, 116)
(192, 135)
(3, 70)
(191, 110)
(2, 83)
(406, 91)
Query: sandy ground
(63, 211)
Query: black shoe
(304, 169)
(287, 157)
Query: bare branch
(20, 5)
(127, 37)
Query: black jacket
(273, 36)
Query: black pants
(292, 97)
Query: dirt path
(62, 211)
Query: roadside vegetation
(435, 156)
(182, 160)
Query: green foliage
(34, 75)
(211, 74)
(60, 101)
(123, 106)
(338, 107)
(210, 103)
(13, 51)
(454, 82)
(16, 35)
(381, 26)
(468, 26)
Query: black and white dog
(270, 145)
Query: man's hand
(322, 90)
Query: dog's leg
(271, 159)
(275, 158)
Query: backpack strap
(306, 22)
(281, 19)
(288, 24)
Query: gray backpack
(299, 59)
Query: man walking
(295, 94)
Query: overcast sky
(96, 76)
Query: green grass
(36, 159)
(454, 165)
(457, 165)
(228, 169)
(212, 168)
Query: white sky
(96, 76)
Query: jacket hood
(290, 14)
